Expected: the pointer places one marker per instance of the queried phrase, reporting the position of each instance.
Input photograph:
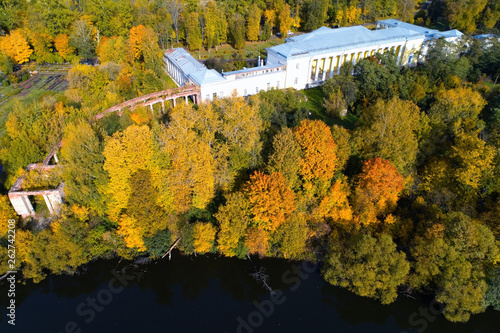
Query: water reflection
(209, 294)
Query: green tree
(233, 218)
(193, 31)
(82, 38)
(286, 157)
(237, 31)
(389, 129)
(83, 173)
(367, 266)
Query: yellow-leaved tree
(204, 237)
(6, 213)
(319, 151)
(15, 46)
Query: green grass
(315, 105)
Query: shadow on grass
(315, 105)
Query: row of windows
(245, 92)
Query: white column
(317, 70)
(28, 205)
(48, 203)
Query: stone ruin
(19, 197)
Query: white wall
(244, 86)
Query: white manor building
(306, 60)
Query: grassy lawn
(226, 51)
(315, 105)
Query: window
(208, 97)
(257, 90)
(268, 85)
(221, 94)
(215, 95)
(297, 66)
(410, 58)
(278, 84)
(245, 92)
(296, 80)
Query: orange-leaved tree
(136, 36)
(271, 201)
(377, 191)
(257, 241)
(319, 151)
(335, 205)
(61, 42)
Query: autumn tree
(144, 43)
(204, 237)
(42, 47)
(190, 176)
(319, 158)
(285, 20)
(456, 263)
(193, 32)
(286, 157)
(473, 160)
(271, 201)
(389, 130)
(342, 137)
(112, 50)
(335, 205)
(368, 266)
(61, 42)
(215, 25)
(125, 153)
(257, 241)
(253, 22)
(377, 191)
(464, 16)
(83, 173)
(294, 234)
(233, 218)
(15, 45)
(455, 110)
(6, 213)
(240, 149)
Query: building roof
(253, 69)
(192, 68)
(325, 39)
(432, 33)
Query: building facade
(307, 60)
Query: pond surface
(215, 294)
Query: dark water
(214, 294)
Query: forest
(397, 195)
